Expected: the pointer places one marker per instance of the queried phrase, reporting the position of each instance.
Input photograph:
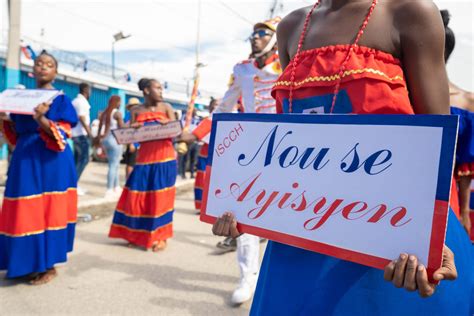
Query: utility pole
(190, 110)
(12, 74)
(117, 37)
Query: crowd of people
(334, 49)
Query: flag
(28, 52)
(194, 94)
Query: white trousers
(248, 254)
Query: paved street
(105, 277)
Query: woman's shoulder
(292, 20)
(407, 13)
(62, 99)
(166, 105)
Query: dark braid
(450, 39)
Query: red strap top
(342, 79)
(373, 83)
(152, 117)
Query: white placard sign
(24, 101)
(363, 188)
(148, 132)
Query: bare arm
(283, 32)
(422, 43)
(170, 112)
(82, 120)
(288, 33)
(118, 116)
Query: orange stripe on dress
(132, 203)
(203, 129)
(55, 142)
(152, 116)
(9, 132)
(204, 151)
(159, 151)
(30, 215)
(139, 237)
(200, 179)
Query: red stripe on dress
(29, 215)
(146, 204)
(9, 132)
(203, 129)
(141, 238)
(160, 151)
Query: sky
(163, 33)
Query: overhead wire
(113, 28)
(234, 12)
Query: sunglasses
(260, 34)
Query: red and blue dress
(465, 151)
(144, 213)
(38, 215)
(201, 132)
(295, 281)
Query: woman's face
(45, 69)
(155, 91)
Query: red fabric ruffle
(8, 130)
(465, 170)
(57, 141)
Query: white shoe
(110, 194)
(244, 291)
(80, 191)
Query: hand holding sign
(407, 273)
(4, 116)
(138, 132)
(226, 225)
(343, 193)
(41, 110)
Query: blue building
(68, 81)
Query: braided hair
(450, 39)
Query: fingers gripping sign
(406, 272)
(226, 225)
(41, 109)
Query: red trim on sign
(205, 196)
(341, 253)
(436, 244)
(438, 232)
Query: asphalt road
(104, 277)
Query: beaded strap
(342, 69)
(297, 55)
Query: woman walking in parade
(111, 119)
(144, 213)
(334, 54)
(38, 216)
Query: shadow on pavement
(160, 276)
